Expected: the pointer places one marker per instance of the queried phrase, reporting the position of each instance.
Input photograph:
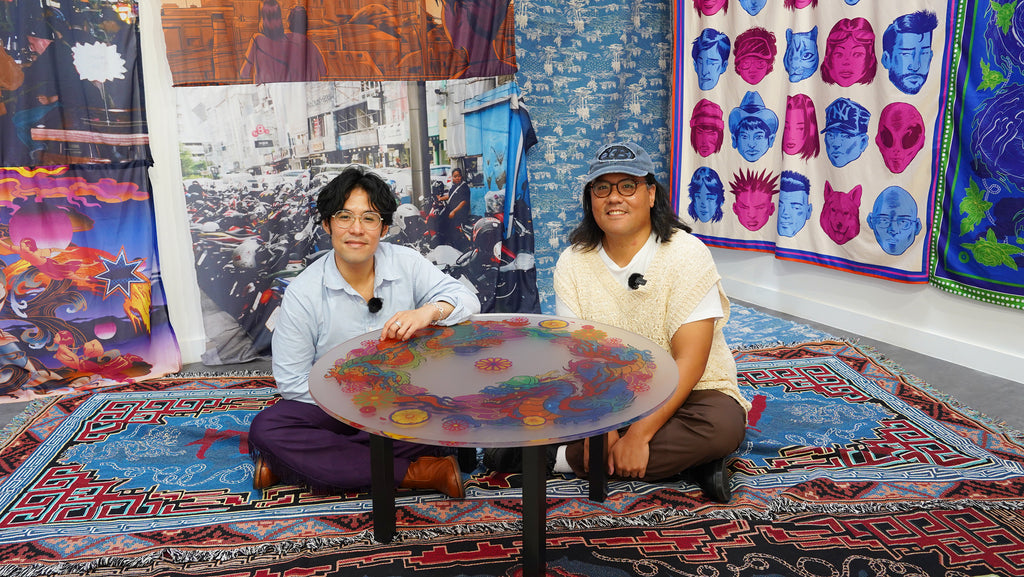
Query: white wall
(920, 318)
(916, 317)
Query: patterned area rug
(849, 468)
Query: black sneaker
(713, 479)
(510, 459)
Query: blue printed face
(801, 58)
(909, 61)
(794, 210)
(843, 148)
(851, 2)
(894, 221)
(709, 66)
(752, 143)
(753, 6)
(706, 203)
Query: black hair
(664, 222)
(334, 195)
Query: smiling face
(848, 61)
(354, 246)
(623, 217)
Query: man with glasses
(362, 284)
(894, 220)
(634, 265)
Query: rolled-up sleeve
(430, 284)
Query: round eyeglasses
(369, 219)
(626, 187)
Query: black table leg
(382, 488)
(534, 510)
(467, 459)
(598, 475)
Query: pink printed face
(802, 3)
(753, 208)
(794, 134)
(710, 7)
(752, 69)
(900, 135)
(848, 62)
(706, 140)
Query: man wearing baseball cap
(846, 131)
(634, 265)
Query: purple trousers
(303, 444)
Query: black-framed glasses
(369, 219)
(626, 187)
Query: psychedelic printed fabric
(260, 41)
(70, 84)
(83, 305)
(807, 128)
(979, 218)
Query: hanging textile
(808, 129)
(597, 72)
(253, 169)
(70, 85)
(83, 305)
(979, 218)
(268, 41)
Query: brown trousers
(708, 426)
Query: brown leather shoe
(437, 473)
(263, 477)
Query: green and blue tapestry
(979, 216)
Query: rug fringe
(19, 421)
(197, 374)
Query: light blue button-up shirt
(320, 310)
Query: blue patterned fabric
(591, 72)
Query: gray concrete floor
(1000, 399)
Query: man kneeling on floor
(361, 285)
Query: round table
(496, 380)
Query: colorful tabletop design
(496, 380)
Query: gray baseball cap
(624, 157)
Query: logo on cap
(616, 152)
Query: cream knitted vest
(679, 276)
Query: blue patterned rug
(154, 479)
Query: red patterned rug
(850, 468)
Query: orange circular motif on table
(495, 364)
(410, 417)
(553, 324)
(534, 421)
